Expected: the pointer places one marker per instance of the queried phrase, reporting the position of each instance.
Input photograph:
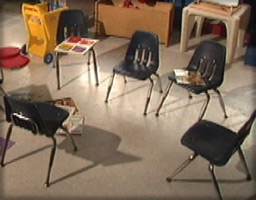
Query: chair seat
(212, 141)
(51, 116)
(134, 70)
(197, 89)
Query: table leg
(57, 69)
(95, 66)
(232, 36)
(188, 22)
(243, 27)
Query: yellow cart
(42, 26)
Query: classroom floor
(122, 154)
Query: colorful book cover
(76, 45)
(74, 39)
(79, 49)
(87, 42)
(66, 46)
(189, 77)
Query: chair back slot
(143, 56)
(138, 54)
(208, 70)
(72, 23)
(144, 50)
(209, 59)
(24, 122)
(202, 65)
(74, 30)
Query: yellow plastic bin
(42, 26)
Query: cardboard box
(112, 19)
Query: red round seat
(7, 52)
(14, 61)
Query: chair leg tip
(75, 149)
(249, 178)
(2, 165)
(168, 179)
(145, 114)
(46, 185)
(225, 116)
(157, 114)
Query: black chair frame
(141, 57)
(18, 119)
(208, 68)
(241, 135)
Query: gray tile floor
(122, 154)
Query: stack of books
(75, 122)
(184, 76)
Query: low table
(236, 26)
(76, 46)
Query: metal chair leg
(1, 75)
(204, 107)
(221, 102)
(190, 95)
(6, 144)
(125, 81)
(110, 86)
(47, 182)
(182, 166)
(166, 92)
(95, 67)
(241, 155)
(70, 137)
(211, 169)
(159, 82)
(149, 95)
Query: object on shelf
(224, 9)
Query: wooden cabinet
(111, 19)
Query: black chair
(37, 117)
(74, 23)
(216, 144)
(209, 61)
(141, 61)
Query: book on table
(184, 76)
(76, 45)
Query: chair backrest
(144, 49)
(72, 23)
(23, 114)
(209, 59)
(244, 131)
